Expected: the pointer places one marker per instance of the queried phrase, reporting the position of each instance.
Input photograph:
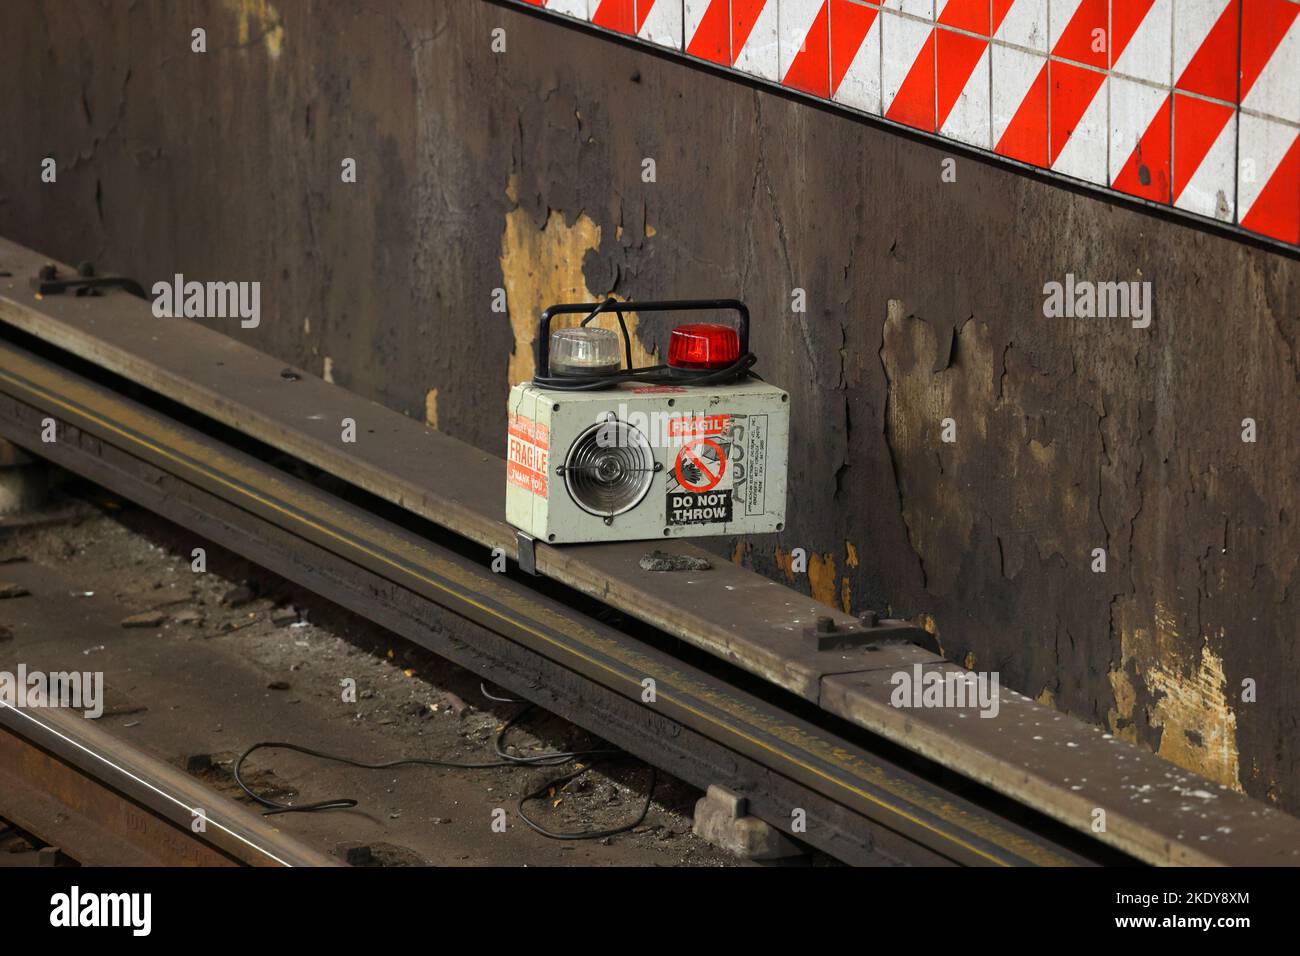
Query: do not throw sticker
(701, 491)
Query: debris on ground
(284, 616)
(238, 596)
(663, 561)
(354, 691)
(146, 619)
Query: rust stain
(543, 266)
(262, 17)
(927, 622)
(740, 554)
(785, 561)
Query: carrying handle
(618, 308)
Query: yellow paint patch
(1200, 731)
(431, 408)
(650, 231)
(1046, 697)
(542, 267)
(821, 577)
(846, 596)
(1188, 687)
(327, 371)
(927, 623)
(850, 555)
(822, 581)
(740, 553)
(257, 18)
(968, 661)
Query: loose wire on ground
(505, 759)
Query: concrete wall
(522, 170)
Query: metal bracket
(869, 630)
(527, 552)
(48, 282)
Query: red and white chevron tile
(1189, 103)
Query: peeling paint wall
(522, 170)
(542, 265)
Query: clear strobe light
(585, 351)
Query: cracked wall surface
(523, 171)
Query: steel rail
(104, 802)
(860, 807)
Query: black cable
(344, 803)
(627, 336)
(552, 759)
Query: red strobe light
(703, 346)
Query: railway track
(402, 527)
(101, 802)
(860, 808)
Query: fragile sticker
(528, 450)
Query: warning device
(601, 450)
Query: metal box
(647, 461)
